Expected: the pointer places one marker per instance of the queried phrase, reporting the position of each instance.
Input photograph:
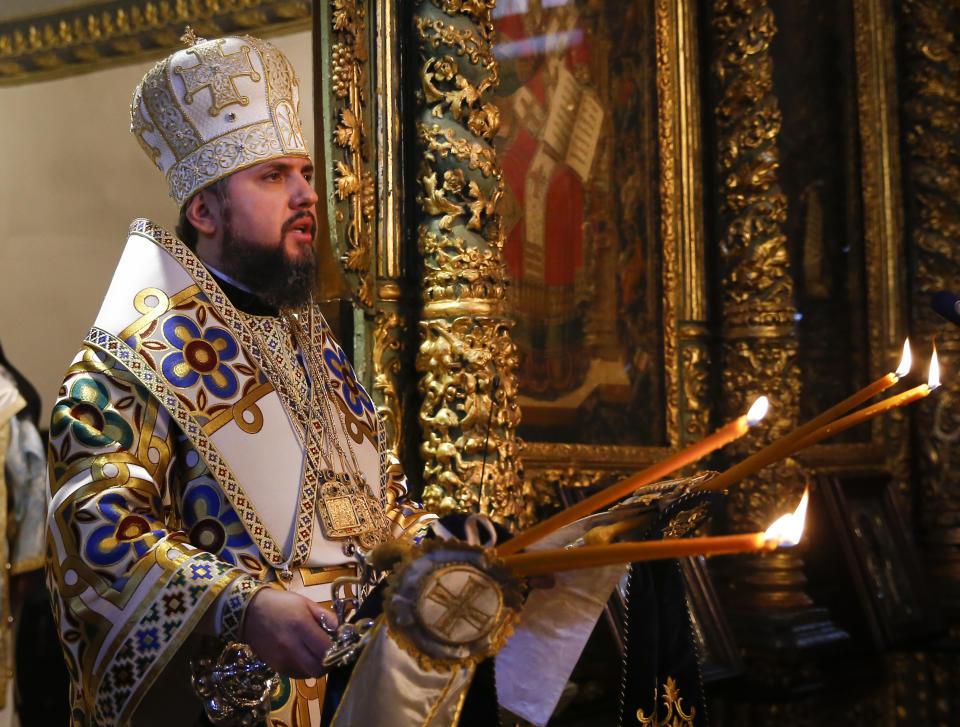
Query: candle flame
(906, 360)
(758, 411)
(788, 529)
(933, 378)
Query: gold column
(759, 337)
(766, 594)
(466, 359)
(931, 111)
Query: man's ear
(203, 212)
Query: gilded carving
(353, 179)
(388, 333)
(674, 714)
(466, 358)
(931, 109)
(469, 416)
(439, 142)
(685, 351)
(760, 347)
(695, 374)
(880, 176)
(669, 207)
(80, 39)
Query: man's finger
(325, 617)
(316, 641)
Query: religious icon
(577, 144)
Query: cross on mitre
(216, 72)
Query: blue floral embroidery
(85, 412)
(211, 524)
(199, 356)
(111, 543)
(357, 399)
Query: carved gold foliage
(350, 132)
(466, 359)
(469, 448)
(479, 11)
(387, 334)
(674, 714)
(695, 375)
(75, 40)
(434, 200)
(931, 108)
(758, 288)
(456, 270)
(439, 143)
(355, 189)
(449, 91)
(436, 32)
(760, 350)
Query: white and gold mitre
(215, 108)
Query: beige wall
(72, 177)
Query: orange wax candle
(787, 444)
(737, 428)
(752, 464)
(881, 407)
(538, 562)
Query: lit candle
(737, 428)
(881, 407)
(786, 531)
(752, 464)
(789, 443)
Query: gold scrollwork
(466, 358)
(355, 189)
(757, 286)
(931, 111)
(387, 335)
(102, 33)
(674, 716)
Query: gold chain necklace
(346, 505)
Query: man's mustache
(285, 228)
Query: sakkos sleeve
(409, 520)
(128, 589)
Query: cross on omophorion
(216, 71)
(459, 606)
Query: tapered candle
(881, 407)
(787, 530)
(752, 464)
(785, 445)
(737, 428)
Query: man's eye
(272, 175)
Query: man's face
(268, 222)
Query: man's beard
(265, 269)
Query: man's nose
(304, 194)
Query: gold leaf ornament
(674, 716)
(348, 182)
(349, 132)
(435, 202)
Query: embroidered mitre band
(215, 108)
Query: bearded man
(214, 462)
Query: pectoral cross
(459, 606)
(216, 71)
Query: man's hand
(283, 629)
